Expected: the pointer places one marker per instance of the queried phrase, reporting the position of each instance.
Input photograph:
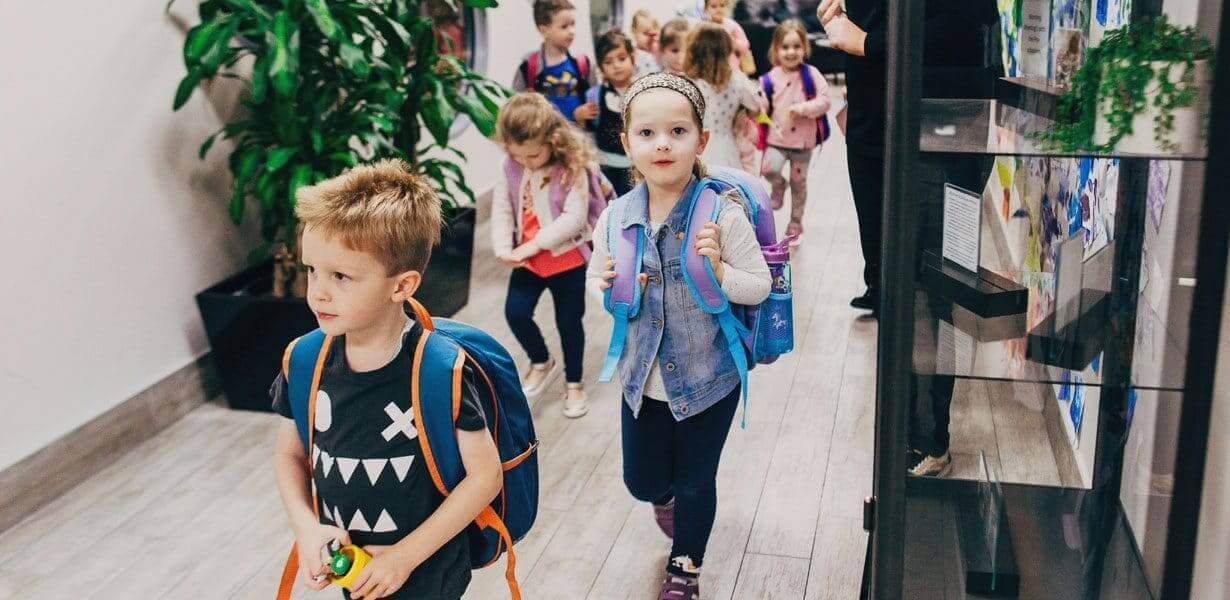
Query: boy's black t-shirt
(367, 461)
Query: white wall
(113, 221)
(110, 223)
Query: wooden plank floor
(194, 513)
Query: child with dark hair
(615, 52)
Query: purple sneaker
(679, 588)
(664, 514)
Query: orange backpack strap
(292, 559)
(488, 518)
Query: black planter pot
(248, 329)
(446, 284)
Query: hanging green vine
(1121, 69)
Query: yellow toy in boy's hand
(345, 563)
(764, 119)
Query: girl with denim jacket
(680, 385)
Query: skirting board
(38, 479)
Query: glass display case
(1045, 329)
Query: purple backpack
(754, 334)
(601, 193)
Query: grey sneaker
(679, 588)
(932, 466)
(664, 514)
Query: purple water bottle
(775, 319)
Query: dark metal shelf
(980, 127)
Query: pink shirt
(738, 39)
(799, 133)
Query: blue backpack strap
(623, 298)
(704, 207)
(300, 366)
(438, 366)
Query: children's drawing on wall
(1010, 31)
(1108, 14)
(1069, 24)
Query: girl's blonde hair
(675, 31)
(642, 20)
(779, 35)
(530, 117)
(708, 55)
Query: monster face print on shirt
(367, 460)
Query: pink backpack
(601, 193)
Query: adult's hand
(827, 11)
(844, 35)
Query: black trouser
(867, 183)
(568, 291)
(621, 179)
(665, 458)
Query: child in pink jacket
(792, 137)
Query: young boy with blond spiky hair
(367, 237)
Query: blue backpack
(443, 350)
(754, 334)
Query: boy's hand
(312, 543)
(608, 278)
(586, 112)
(707, 245)
(510, 261)
(384, 574)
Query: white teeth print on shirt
(346, 467)
(324, 411)
(384, 524)
(337, 518)
(315, 453)
(374, 467)
(403, 422)
(358, 523)
(324, 511)
(401, 466)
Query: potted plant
(1142, 90)
(328, 85)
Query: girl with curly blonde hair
(540, 229)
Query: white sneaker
(575, 408)
(537, 378)
(933, 466)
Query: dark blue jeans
(568, 291)
(664, 458)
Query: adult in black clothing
(953, 57)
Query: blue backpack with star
(436, 381)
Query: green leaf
(480, 3)
(355, 59)
(209, 143)
(260, 78)
(278, 158)
(186, 87)
(238, 198)
(282, 68)
(482, 118)
(317, 141)
(437, 113)
(219, 48)
(324, 19)
(301, 176)
(199, 39)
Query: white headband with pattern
(671, 82)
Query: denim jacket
(695, 364)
